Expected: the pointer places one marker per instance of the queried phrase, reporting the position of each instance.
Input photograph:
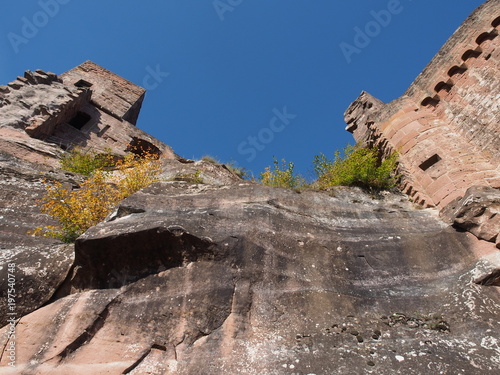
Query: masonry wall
(446, 126)
(111, 93)
(88, 106)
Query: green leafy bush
(281, 175)
(85, 162)
(356, 167)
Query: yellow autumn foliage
(134, 173)
(76, 210)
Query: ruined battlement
(88, 106)
(111, 93)
(446, 126)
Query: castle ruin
(88, 106)
(234, 277)
(446, 126)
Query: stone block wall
(446, 126)
(110, 92)
(37, 102)
(88, 106)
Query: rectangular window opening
(79, 120)
(83, 83)
(430, 162)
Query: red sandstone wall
(59, 112)
(446, 126)
(110, 92)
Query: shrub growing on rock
(76, 210)
(237, 170)
(356, 167)
(79, 209)
(282, 175)
(135, 173)
(86, 162)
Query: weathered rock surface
(478, 212)
(38, 273)
(488, 270)
(198, 171)
(231, 277)
(41, 263)
(246, 279)
(36, 105)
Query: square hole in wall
(429, 162)
(79, 120)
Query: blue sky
(242, 80)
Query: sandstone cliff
(205, 279)
(227, 276)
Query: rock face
(198, 171)
(478, 212)
(41, 263)
(204, 273)
(247, 279)
(39, 118)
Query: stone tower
(446, 126)
(88, 106)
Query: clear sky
(241, 80)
